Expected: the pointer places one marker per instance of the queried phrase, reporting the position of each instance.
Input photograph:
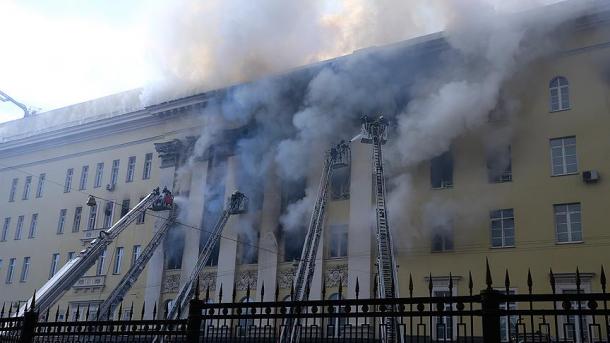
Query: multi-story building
(534, 201)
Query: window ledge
(561, 110)
(441, 251)
(443, 187)
(570, 242)
(567, 174)
(503, 247)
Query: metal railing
(490, 315)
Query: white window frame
(504, 320)
(84, 176)
(78, 215)
(61, 221)
(107, 221)
(559, 94)
(6, 224)
(40, 189)
(131, 169)
(70, 256)
(10, 271)
(114, 172)
(501, 219)
(99, 268)
(135, 253)
(19, 227)
(99, 175)
(569, 222)
(33, 225)
(13, 191)
(441, 284)
(92, 218)
(54, 264)
(25, 269)
(146, 172)
(118, 260)
(68, 183)
(563, 155)
(27, 188)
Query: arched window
(560, 94)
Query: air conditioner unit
(590, 176)
(110, 187)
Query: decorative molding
(443, 281)
(90, 284)
(245, 278)
(285, 277)
(334, 274)
(169, 152)
(171, 283)
(570, 278)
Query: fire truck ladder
(118, 293)
(74, 269)
(336, 157)
(375, 132)
(237, 204)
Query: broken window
(173, 248)
(442, 238)
(499, 165)
(441, 170)
(339, 183)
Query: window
(124, 207)
(442, 238)
(141, 216)
(10, 270)
(40, 188)
(92, 216)
(19, 227)
(83, 178)
(33, 225)
(68, 184)
(499, 166)
(27, 187)
(99, 270)
(441, 170)
(443, 324)
(114, 172)
(563, 156)
(173, 248)
(508, 327)
(108, 214)
(99, 173)
(339, 183)
(61, 221)
(502, 228)
(54, 264)
(131, 168)
(337, 325)
(572, 326)
(560, 94)
(118, 259)
(246, 251)
(71, 255)
(25, 269)
(135, 253)
(5, 226)
(338, 241)
(77, 215)
(568, 223)
(11, 195)
(147, 166)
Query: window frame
(68, 181)
(131, 169)
(501, 219)
(99, 175)
(40, 187)
(147, 170)
(25, 269)
(19, 227)
(119, 252)
(338, 240)
(10, 271)
(76, 221)
(33, 225)
(562, 91)
(568, 223)
(442, 161)
(54, 264)
(61, 221)
(563, 156)
(27, 188)
(13, 190)
(92, 218)
(114, 171)
(84, 178)
(6, 225)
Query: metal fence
(491, 315)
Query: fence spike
(10, 309)
(108, 313)
(470, 283)
(33, 303)
(530, 283)
(88, 312)
(67, 313)
(197, 289)
(143, 310)
(220, 294)
(340, 287)
(552, 280)
(120, 311)
(323, 289)
(450, 283)
(131, 311)
(577, 280)
(602, 279)
(57, 314)
(234, 293)
(357, 287)
(410, 285)
(292, 292)
(46, 317)
(248, 291)
(430, 284)
(154, 314)
(263, 291)
(179, 310)
(77, 313)
(506, 280)
(488, 280)
(2, 311)
(277, 291)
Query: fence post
(194, 321)
(490, 314)
(30, 318)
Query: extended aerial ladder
(338, 156)
(74, 269)
(118, 293)
(375, 133)
(236, 204)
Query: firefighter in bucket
(164, 201)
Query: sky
(57, 53)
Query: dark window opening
(247, 248)
(293, 191)
(173, 248)
(499, 166)
(339, 183)
(124, 207)
(214, 204)
(442, 238)
(441, 170)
